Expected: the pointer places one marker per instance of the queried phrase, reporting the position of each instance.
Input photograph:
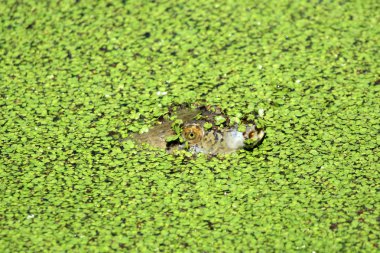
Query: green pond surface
(77, 77)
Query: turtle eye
(191, 136)
(193, 133)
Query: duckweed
(76, 77)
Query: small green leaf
(207, 125)
(172, 138)
(242, 128)
(144, 129)
(177, 126)
(219, 120)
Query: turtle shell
(217, 138)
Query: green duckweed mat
(76, 77)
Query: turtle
(201, 129)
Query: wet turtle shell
(202, 129)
